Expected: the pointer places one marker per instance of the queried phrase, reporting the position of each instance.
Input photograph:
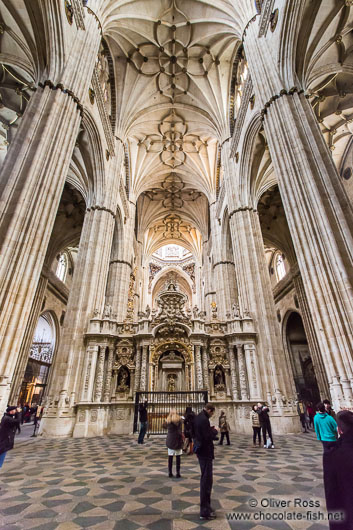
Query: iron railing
(160, 404)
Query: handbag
(186, 442)
(268, 443)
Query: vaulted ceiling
(173, 62)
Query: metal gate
(159, 405)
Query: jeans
(266, 427)
(2, 458)
(256, 433)
(143, 430)
(206, 466)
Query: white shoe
(265, 446)
(272, 446)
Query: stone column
(89, 371)
(23, 355)
(318, 211)
(233, 372)
(228, 382)
(310, 333)
(252, 370)
(120, 267)
(144, 368)
(211, 382)
(98, 384)
(255, 297)
(198, 367)
(205, 369)
(34, 173)
(137, 369)
(108, 375)
(243, 376)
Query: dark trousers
(256, 433)
(266, 428)
(170, 464)
(303, 421)
(328, 446)
(143, 430)
(224, 434)
(206, 466)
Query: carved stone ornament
(124, 355)
(91, 95)
(158, 349)
(218, 354)
(171, 303)
(274, 20)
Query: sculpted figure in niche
(219, 377)
(171, 382)
(123, 379)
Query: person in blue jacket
(325, 427)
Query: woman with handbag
(174, 442)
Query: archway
(39, 362)
(300, 357)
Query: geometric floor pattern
(114, 483)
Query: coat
(223, 424)
(175, 436)
(338, 480)
(8, 427)
(204, 435)
(263, 415)
(189, 430)
(143, 412)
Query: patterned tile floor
(113, 483)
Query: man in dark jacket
(265, 423)
(143, 421)
(338, 474)
(204, 436)
(8, 427)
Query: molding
(242, 209)
(223, 263)
(120, 261)
(266, 12)
(79, 13)
(61, 87)
(248, 24)
(283, 287)
(107, 126)
(239, 122)
(284, 92)
(90, 12)
(101, 208)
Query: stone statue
(195, 311)
(218, 376)
(107, 311)
(171, 382)
(123, 379)
(235, 311)
(148, 311)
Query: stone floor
(113, 483)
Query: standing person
(301, 409)
(174, 441)
(325, 427)
(224, 428)
(143, 421)
(8, 427)
(311, 414)
(204, 436)
(338, 473)
(329, 408)
(256, 427)
(265, 423)
(189, 432)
